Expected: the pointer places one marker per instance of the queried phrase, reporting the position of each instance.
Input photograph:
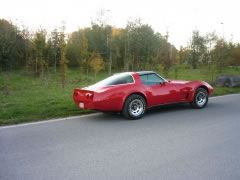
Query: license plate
(81, 105)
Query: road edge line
(48, 121)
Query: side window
(129, 79)
(151, 79)
(144, 78)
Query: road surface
(171, 142)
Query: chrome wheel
(201, 99)
(136, 107)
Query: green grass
(32, 99)
(24, 98)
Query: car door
(159, 90)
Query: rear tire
(200, 99)
(134, 107)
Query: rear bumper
(99, 102)
(84, 104)
(103, 105)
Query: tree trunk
(110, 63)
(36, 65)
(55, 62)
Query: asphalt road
(170, 142)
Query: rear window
(115, 80)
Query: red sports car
(133, 92)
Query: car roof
(140, 73)
(137, 72)
(145, 72)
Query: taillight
(83, 94)
(75, 93)
(89, 95)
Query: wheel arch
(194, 103)
(138, 93)
(192, 94)
(202, 86)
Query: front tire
(200, 98)
(134, 107)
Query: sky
(178, 17)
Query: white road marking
(76, 117)
(48, 121)
(214, 97)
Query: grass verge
(24, 98)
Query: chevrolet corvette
(132, 93)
